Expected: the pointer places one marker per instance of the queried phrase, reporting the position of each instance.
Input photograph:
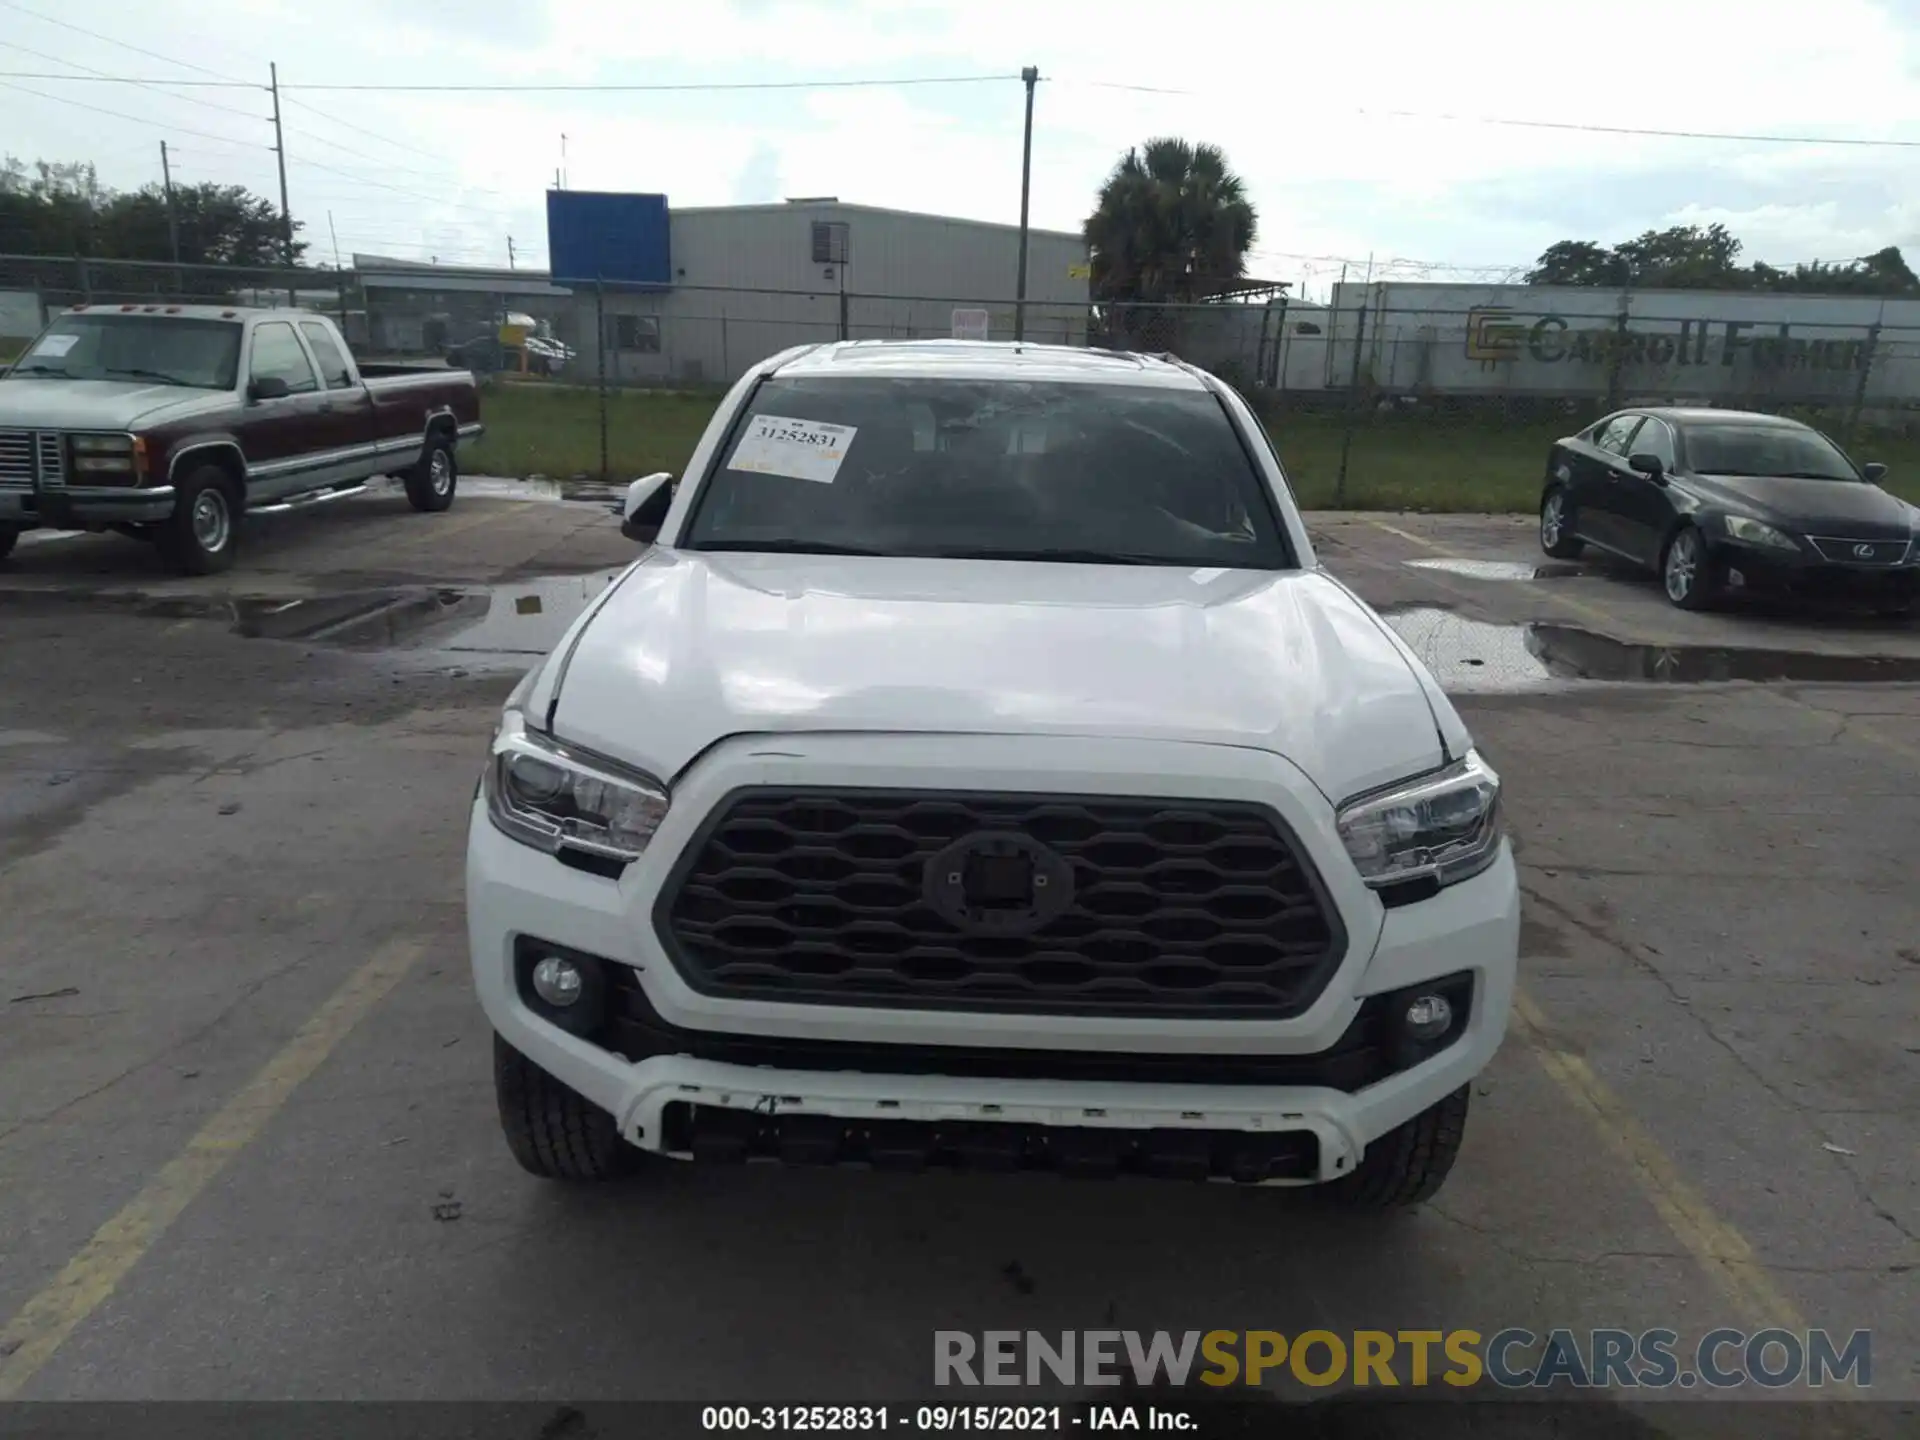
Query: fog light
(1428, 1017)
(559, 982)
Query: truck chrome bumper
(75, 507)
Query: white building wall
(746, 286)
(1707, 345)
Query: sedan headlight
(1739, 527)
(545, 795)
(1444, 826)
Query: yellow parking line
(42, 1325)
(1720, 1249)
(1592, 614)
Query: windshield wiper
(788, 547)
(1065, 556)
(38, 369)
(139, 374)
(1811, 475)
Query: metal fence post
(86, 279)
(600, 348)
(1616, 362)
(1860, 385)
(1353, 401)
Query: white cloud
(1301, 97)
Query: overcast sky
(1298, 95)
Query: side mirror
(1648, 465)
(267, 387)
(646, 507)
(1874, 471)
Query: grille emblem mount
(998, 882)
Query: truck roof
(989, 359)
(191, 312)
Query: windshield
(1766, 450)
(159, 349)
(990, 470)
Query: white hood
(690, 649)
(49, 403)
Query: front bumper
(514, 892)
(76, 507)
(1802, 571)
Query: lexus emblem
(1863, 552)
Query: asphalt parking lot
(247, 1140)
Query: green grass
(1466, 463)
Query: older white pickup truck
(980, 769)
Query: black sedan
(1720, 500)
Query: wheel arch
(222, 451)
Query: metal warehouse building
(699, 295)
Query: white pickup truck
(980, 770)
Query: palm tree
(1173, 224)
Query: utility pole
(173, 218)
(1030, 75)
(280, 155)
(333, 235)
(510, 264)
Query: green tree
(1689, 257)
(1172, 224)
(63, 209)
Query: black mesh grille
(1850, 552)
(1178, 908)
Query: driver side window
(1657, 440)
(277, 355)
(1612, 437)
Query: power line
(688, 86)
(170, 128)
(109, 40)
(96, 78)
(413, 194)
(153, 85)
(362, 130)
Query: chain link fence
(1373, 399)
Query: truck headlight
(1445, 825)
(103, 454)
(543, 794)
(1756, 533)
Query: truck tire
(8, 534)
(431, 483)
(1410, 1162)
(198, 538)
(554, 1132)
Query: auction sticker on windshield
(797, 449)
(54, 346)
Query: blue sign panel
(619, 240)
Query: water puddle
(1472, 656)
(1494, 569)
(508, 625)
(581, 490)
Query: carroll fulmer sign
(1497, 334)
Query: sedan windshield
(155, 349)
(990, 469)
(1771, 450)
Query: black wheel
(554, 1132)
(1554, 514)
(1687, 573)
(1410, 1162)
(199, 537)
(8, 535)
(431, 483)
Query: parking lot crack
(241, 998)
